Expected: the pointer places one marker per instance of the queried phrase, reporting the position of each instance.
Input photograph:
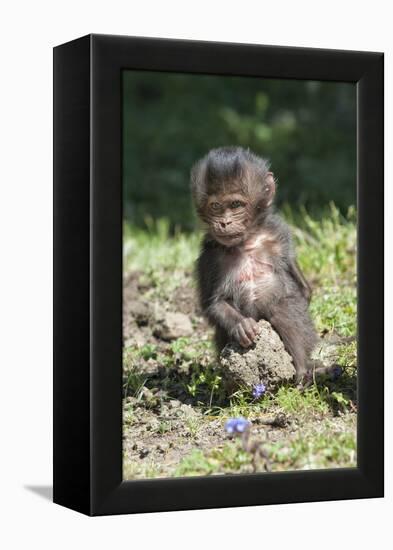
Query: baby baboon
(247, 268)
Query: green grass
(309, 449)
(226, 459)
(294, 401)
(348, 354)
(149, 469)
(163, 258)
(187, 365)
(334, 310)
(313, 450)
(326, 247)
(327, 253)
(316, 401)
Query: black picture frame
(88, 274)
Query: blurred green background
(306, 129)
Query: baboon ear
(269, 188)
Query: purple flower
(237, 425)
(258, 390)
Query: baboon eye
(236, 204)
(215, 206)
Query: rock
(170, 326)
(140, 311)
(266, 361)
(144, 452)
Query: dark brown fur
(247, 268)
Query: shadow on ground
(44, 491)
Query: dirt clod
(170, 326)
(140, 311)
(265, 362)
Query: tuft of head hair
(226, 168)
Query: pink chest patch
(244, 277)
(252, 269)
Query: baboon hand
(245, 331)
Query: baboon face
(232, 189)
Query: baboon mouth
(229, 237)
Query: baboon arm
(301, 281)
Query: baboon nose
(224, 224)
